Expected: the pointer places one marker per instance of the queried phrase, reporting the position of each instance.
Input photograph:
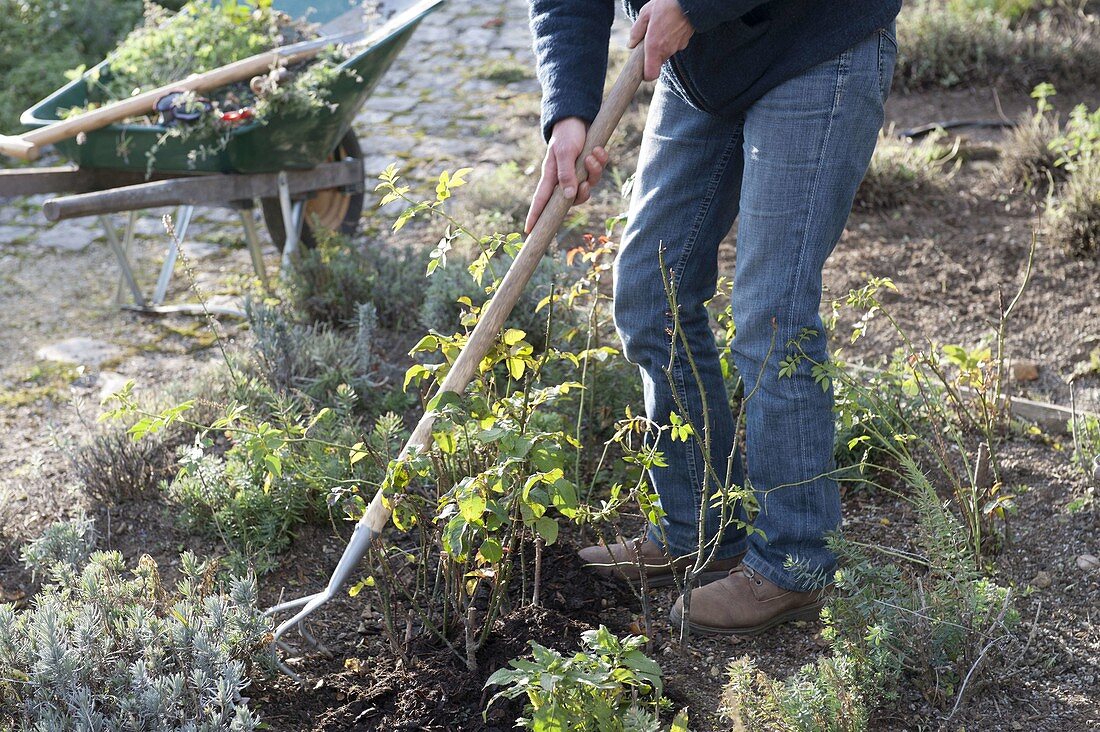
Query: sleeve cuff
(554, 110)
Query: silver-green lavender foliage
(69, 543)
(313, 358)
(105, 649)
(441, 311)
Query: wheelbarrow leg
(128, 248)
(254, 249)
(292, 222)
(183, 221)
(122, 254)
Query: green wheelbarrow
(304, 170)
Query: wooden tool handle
(17, 147)
(523, 267)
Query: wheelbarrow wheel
(331, 209)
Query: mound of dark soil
(361, 684)
(435, 691)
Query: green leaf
(452, 537)
(443, 399)
(547, 528)
(565, 494)
(491, 551)
(274, 464)
(680, 723)
(417, 372)
(428, 343)
(955, 354)
(645, 667)
(551, 718)
(518, 447)
(503, 677)
(389, 198)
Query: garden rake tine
(370, 527)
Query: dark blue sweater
(740, 50)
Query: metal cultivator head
(370, 527)
(358, 545)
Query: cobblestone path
(462, 93)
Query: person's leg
(684, 203)
(807, 146)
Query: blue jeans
(788, 170)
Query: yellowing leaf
(358, 586)
(472, 507)
(357, 453)
(458, 178)
(446, 442)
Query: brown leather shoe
(745, 603)
(622, 560)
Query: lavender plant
(103, 648)
(314, 359)
(925, 616)
(824, 696)
(66, 543)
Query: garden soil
(358, 684)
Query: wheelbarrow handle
(27, 146)
(492, 319)
(16, 147)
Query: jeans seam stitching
(678, 374)
(881, 67)
(843, 67)
(884, 81)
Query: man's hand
(666, 30)
(559, 167)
